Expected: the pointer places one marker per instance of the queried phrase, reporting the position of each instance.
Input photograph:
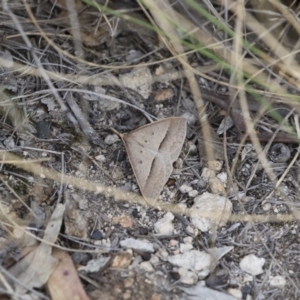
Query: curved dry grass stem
(120, 195)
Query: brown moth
(152, 149)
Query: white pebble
(252, 264)
(146, 266)
(100, 158)
(185, 247)
(165, 226)
(195, 260)
(190, 118)
(278, 281)
(185, 188)
(111, 139)
(223, 177)
(140, 245)
(187, 277)
(193, 193)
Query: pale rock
(173, 243)
(124, 220)
(9, 143)
(207, 174)
(128, 282)
(223, 177)
(94, 265)
(252, 264)
(278, 281)
(139, 245)
(78, 173)
(235, 293)
(111, 139)
(83, 203)
(194, 260)
(122, 260)
(192, 148)
(185, 247)
(266, 206)
(190, 230)
(247, 278)
(146, 266)
(188, 240)
(162, 254)
(216, 186)
(210, 210)
(193, 193)
(215, 165)
(190, 118)
(139, 80)
(187, 277)
(185, 188)
(154, 260)
(137, 260)
(100, 158)
(165, 226)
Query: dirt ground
(71, 74)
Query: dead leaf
(152, 149)
(28, 271)
(64, 282)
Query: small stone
(192, 148)
(185, 247)
(165, 226)
(185, 188)
(162, 254)
(252, 264)
(187, 277)
(139, 245)
(146, 266)
(206, 212)
(207, 173)
(127, 295)
(266, 206)
(163, 95)
(128, 282)
(193, 193)
(111, 139)
(278, 281)
(122, 260)
(94, 265)
(100, 158)
(173, 243)
(83, 204)
(216, 186)
(139, 80)
(215, 165)
(195, 260)
(124, 220)
(190, 230)
(190, 118)
(154, 260)
(97, 235)
(188, 240)
(222, 177)
(235, 293)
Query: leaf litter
(96, 224)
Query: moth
(152, 149)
